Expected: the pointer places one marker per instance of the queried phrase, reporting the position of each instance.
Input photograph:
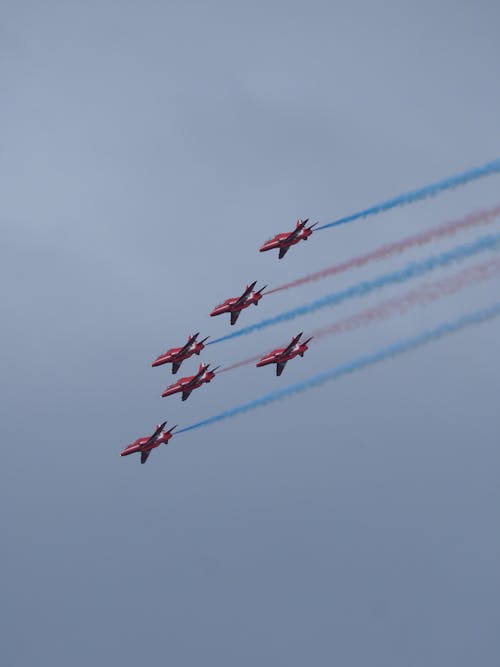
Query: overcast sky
(148, 149)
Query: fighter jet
(147, 444)
(287, 239)
(177, 355)
(281, 355)
(235, 305)
(188, 384)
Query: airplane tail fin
(304, 343)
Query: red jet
(187, 384)
(177, 355)
(236, 304)
(145, 445)
(287, 239)
(283, 354)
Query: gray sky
(147, 150)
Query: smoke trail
(420, 296)
(244, 362)
(412, 270)
(399, 305)
(435, 233)
(430, 190)
(356, 365)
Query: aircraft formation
(297, 346)
(233, 306)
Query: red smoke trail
(426, 293)
(420, 296)
(441, 231)
(250, 360)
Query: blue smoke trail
(358, 364)
(421, 193)
(412, 270)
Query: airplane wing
(185, 347)
(297, 230)
(175, 366)
(157, 432)
(196, 377)
(144, 456)
(242, 298)
(283, 252)
(187, 386)
(186, 394)
(280, 367)
(234, 316)
(293, 342)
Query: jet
(281, 355)
(147, 444)
(188, 384)
(235, 305)
(287, 239)
(177, 355)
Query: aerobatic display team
(297, 346)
